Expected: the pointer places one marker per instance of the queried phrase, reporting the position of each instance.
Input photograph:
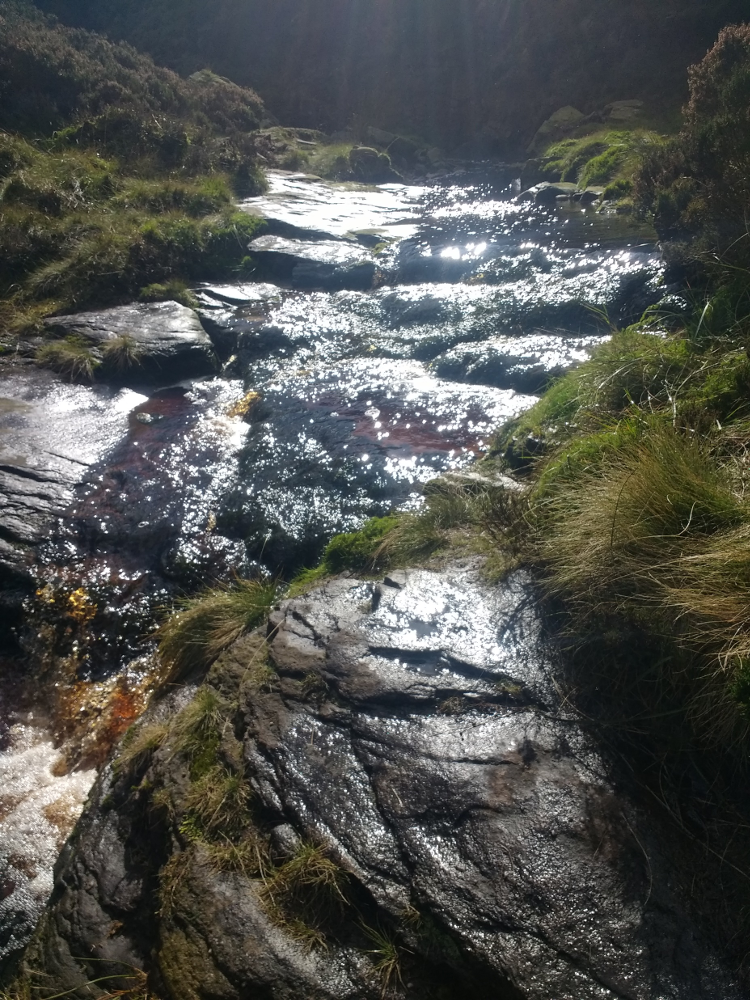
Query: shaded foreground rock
(411, 728)
(164, 341)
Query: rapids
(385, 333)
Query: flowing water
(386, 332)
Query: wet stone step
(324, 264)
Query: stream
(383, 336)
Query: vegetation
(116, 176)
(698, 184)
(356, 550)
(306, 893)
(207, 624)
(606, 159)
(70, 357)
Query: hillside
(115, 173)
(483, 74)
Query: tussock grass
(197, 731)
(386, 956)
(207, 624)
(70, 358)
(248, 856)
(658, 534)
(139, 745)
(122, 353)
(606, 157)
(306, 893)
(217, 803)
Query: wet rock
(589, 195)
(415, 731)
(243, 295)
(326, 447)
(524, 363)
(547, 193)
(165, 339)
(371, 166)
(51, 434)
(623, 111)
(303, 207)
(230, 312)
(323, 264)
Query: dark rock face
(167, 340)
(414, 730)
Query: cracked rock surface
(415, 730)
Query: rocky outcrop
(151, 343)
(411, 730)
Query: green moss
(617, 190)
(604, 158)
(355, 550)
(170, 291)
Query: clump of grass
(656, 534)
(386, 957)
(306, 893)
(71, 358)
(688, 382)
(207, 624)
(216, 803)
(605, 157)
(174, 290)
(331, 160)
(197, 732)
(355, 550)
(122, 353)
(248, 856)
(171, 878)
(139, 745)
(452, 506)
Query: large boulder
(412, 739)
(371, 166)
(563, 123)
(149, 343)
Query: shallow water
(335, 403)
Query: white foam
(39, 810)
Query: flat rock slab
(303, 206)
(526, 363)
(51, 433)
(414, 729)
(168, 340)
(322, 264)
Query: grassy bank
(116, 176)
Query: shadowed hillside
(484, 72)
